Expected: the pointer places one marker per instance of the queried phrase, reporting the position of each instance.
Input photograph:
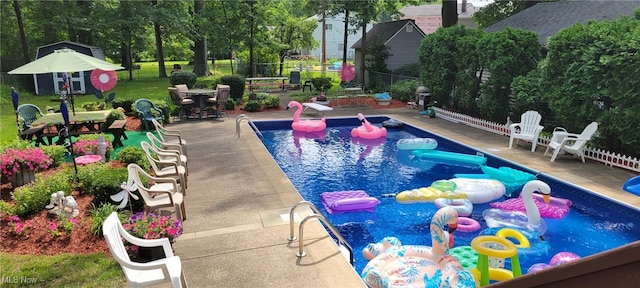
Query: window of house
(328, 26)
(340, 47)
(409, 29)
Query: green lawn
(143, 84)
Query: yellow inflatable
(426, 195)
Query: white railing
(605, 157)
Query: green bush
(236, 85)
(99, 214)
(183, 77)
(56, 152)
(230, 105)
(101, 180)
(404, 91)
(113, 116)
(252, 106)
(133, 154)
(32, 198)
(94, 106)
(125, 104)
(16, 144)
(272, 101)
(321, 83)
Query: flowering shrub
(33, 158)
(152, 226)
(89, 146)
(66, 226)
(17, 226)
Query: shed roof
(386, 31)
(546, 19)
(95, 50)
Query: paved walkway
(238, 202)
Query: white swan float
(419, 266)
(531, 220)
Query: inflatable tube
(509, 234)
(479, 191)
(464, 207)
(444, 185)
(417, 144)
(426, 195)
(436, 155)
(392, 123)
(538, 249)
(466, 224)
(512, 179)
(467, 257)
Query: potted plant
(20, 165)
(151, 226)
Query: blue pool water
(332, 161)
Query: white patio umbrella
(64, 60)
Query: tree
(200, 67)
(292, 34)
(501, 9)
(449, 13)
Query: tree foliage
(591, 74)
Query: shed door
(77, 82)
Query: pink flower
(53, 226)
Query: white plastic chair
(528, 129)
(164, 194)
(571, 143)
(166, 270)
(165, 168)
(167, 154)
(170, 136)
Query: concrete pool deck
(238, 202)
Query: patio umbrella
(14, 100)
(65, 61)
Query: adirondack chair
(570, 142)
(528, 129)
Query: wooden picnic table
(92, 120)
(267, 81)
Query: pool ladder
(342, 244)
(251, 124)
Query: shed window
(328, 26)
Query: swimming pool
(331, 161)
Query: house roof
(386, 31)
(546, 19)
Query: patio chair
(528, 129)
(221, 99)
(165, 192)
(165, 168)
(155, 141)
(165, 270)
(170, 136)
(148, 112)
(185, 105)
(570, 142)
(294, 79)
(167, 154)
(28, 113)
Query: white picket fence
(603, 156)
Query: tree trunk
(363, 54)
(251, 71)
(23, 36)
(200, 67)
(449, 13)
(162, 71)
(346, 37)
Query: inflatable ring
(462, 206)
(466, 224)
(444, 185)
(506, 233)
(479, 242)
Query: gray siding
(404, 47)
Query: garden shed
(51, 83)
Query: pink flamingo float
(305, 125)
(368, 131)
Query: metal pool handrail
(251, 124)
(341, 241)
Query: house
(547, 18)
(334, 36)
(51, 83)
(402, 37)
(429, 17)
